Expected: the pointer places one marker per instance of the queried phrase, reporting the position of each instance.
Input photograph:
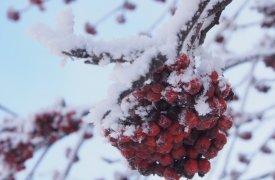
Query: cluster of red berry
(15, 157)
(170, 137)
(46, 128)
(52, 126)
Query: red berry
(178, 153)
(90, 29)
(156, 156)
(171, 174)
(175, 129)
(193, 87)
(204, 166)
(220, 39)
(153, 97)
(182, 62)
(129, 6)
(225, 123)
(124, 139)
(226, 91)
(159, 170)
(171, 96)
(166, 160)
(192, 153)
(151, 141)
(139, 94)
(205, 124)
(156, 88)
(211, 153)
(13, 15)
(191, 119)
(190, 167)
(139, 135)
(245, 135)
(178, 138)
(164, 143)
(153, 129)
(214, 77)
(121, 19)
(202, 144)
(142, 167)
(164, 121)
(220, 140)
(211, 91)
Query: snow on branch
(169, 43)
(62, 41)
(136, 58)
(205, 18)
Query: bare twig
(237, 125)
(8, 111)
(73, 156)
(230, 63)
(161, 17)
(38, 162)
(108, 15)
(272, 174)
(253, 155)
(92, 58)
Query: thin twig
(109, 14)
(230, 63)
(38, 162)
(73, 156)
(235, 135)
(8, 111)
(253, 155)
(272, 173)
(160, 18)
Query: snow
(202, 107)
(183, 14)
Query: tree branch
(94, 59)
(183, 34)
(216, 12)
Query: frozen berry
(203, 166)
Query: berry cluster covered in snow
(20, 139)
(175, 123)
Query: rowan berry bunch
(52, 126)
(175, 123)
(15, 156)
(19, 143)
